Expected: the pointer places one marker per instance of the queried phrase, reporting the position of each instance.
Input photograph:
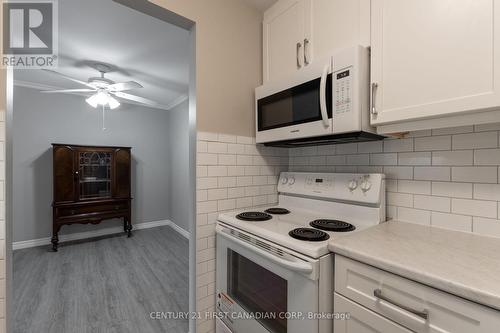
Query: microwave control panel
(343, 90)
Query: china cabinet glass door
(95, 174)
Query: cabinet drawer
(361, 319)
(404, 301)
(91, 208)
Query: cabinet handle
(299, 45)
(424, 314)
(374, 91)
(306, 44)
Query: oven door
(260, 287)
(298, 107)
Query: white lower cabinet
(361, 320)
(407, 303)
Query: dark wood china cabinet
(91, 184)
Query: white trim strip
(97, 233)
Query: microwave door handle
(322, 96)
(293, 265)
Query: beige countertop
(462, 264)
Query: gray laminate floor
(103, 285)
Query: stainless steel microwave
(328, 102)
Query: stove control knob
(291, 181)
(366, 185)
(353, 184)
(284, 180)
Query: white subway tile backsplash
(444, 177)
(486, 227)
(334, 160)
(453, 130)
(371, 147)
(433, 143)
(415, 187)
(218, 170)
(358, 159)
(432, 173)
(421, 158)
(457, 157)
(216, 147)
(398, 145)
(453, 190)
(487, 157)
(235, 148)
(206, 159)
(348, 148)
(384, 159)
(474, 207)
(398, 172)
(487, 127)
(399, 199)
(451, 221)
(414, 215)
(487, 192)
(475, 140)
(226, 159)
(475, 174)
(436, 204)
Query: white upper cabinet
(434, 62)
(338, 24)
(286, 26)
(298, 31)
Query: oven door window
(258, 291)
(293, 106)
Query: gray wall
(41, 119)
(178, 130)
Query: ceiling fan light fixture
(113, 103)
(102, 98)
(92, 101)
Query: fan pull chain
(103, 118)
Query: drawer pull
(424, 314)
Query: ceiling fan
(104, 91)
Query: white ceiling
(261, 5)
(141, 48)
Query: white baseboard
(98, 233)
(180, 230)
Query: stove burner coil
(309, 234)
(254, 216)
(332, 225)
(277, 211)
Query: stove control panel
(361, 188)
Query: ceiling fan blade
(67, 91)
(138, 99)
(68, 78)
(122, 86)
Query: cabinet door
(338, 24)
(94, 173)
(286, 25)
(361, 320)
(122, 173)
(64, 174)
(434, 58)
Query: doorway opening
(98, 276)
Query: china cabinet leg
(128, 227)
(55, 242)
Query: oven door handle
(322, 96)
(296, 265)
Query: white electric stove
(274, 270)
